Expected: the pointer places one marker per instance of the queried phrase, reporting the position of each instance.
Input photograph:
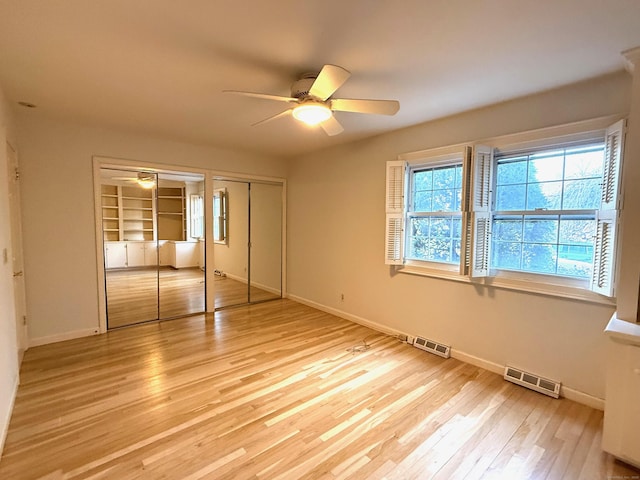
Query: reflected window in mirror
(197, 216)
(220, 208)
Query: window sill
(517, 284)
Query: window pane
(582, 194)
(422, 201)
(422, 180)
(508, 229)
(546, 167)
(435, 239)
(575, 260)
(444, 200)
(512, 171)
(444, 178)
(584, 163)
(539, 257)
(544, 196)
(577, 231)
(510, 197)
(437, 189)
(507, 255)
(541, 230)
(575, 249)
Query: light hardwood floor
(276, 390)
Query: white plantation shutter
(614, 144)
(480, 206)
(604, 258)
(395, 205)
(602, 281)
(394, 239)
(482, 171)
(481, 234)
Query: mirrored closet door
(247, 233)
(153, 240)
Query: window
(543, 212)
(197, 216)
(434, 216)
(220, 215)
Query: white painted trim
(582, 398)
(347, 316)
(631, 59)
(509, 281)
(5, 421)
(566, 392)
(61, 337)
(253, 284)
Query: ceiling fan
(312, 103)
(144, 179)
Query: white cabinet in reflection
(115, 255)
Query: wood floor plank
(277, 390)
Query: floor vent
(432, 347)
(534, 382)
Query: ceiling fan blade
(382, 107)
(273, 117)
(330, 79)
(264, 96)
(331, 126)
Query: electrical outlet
(410, 339)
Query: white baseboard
(4, 426)
(261, 286)
(347, 316)
(566, 392)
(87, 332)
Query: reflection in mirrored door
(247, 234)
(231, 236)
(153, 238)
(130, 248)
(265, 242)
(180, 236)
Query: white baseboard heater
(432, 347)
(531, 381)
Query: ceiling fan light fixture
(146, 180)
(312, 113)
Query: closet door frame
(209, 175)
(249, 179)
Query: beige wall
(266, 236)
(8, 340)
(232, 258)
(58, 212)
(336, 244)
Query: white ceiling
(159, 66)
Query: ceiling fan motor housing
(300, 88)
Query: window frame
(430, 162)
(503, 153)
(478, 214)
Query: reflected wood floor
(132, 294)
(232, 292)
(277, 391)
